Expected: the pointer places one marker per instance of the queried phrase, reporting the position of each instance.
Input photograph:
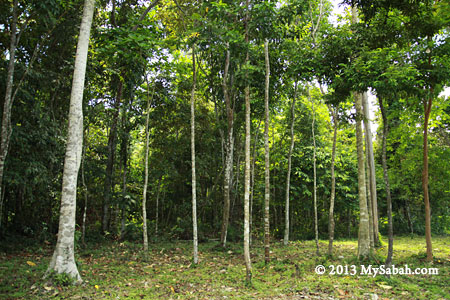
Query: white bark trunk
(288, 176)
(372, 172)
(63, 260)
(194, 183)
(144, 196)
(6, 118)
(248, 263)
(267, 158)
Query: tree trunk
(63, 260)
(267, 159)
(333, 184)
(288, 176)
(316, 221)
(369, 202)
(371, 171)
(194, 193)
(6, 118)
(157, 206)
(427, 109)
(229, 146)
(363, 232)
(144, 194)
(248, 263)
(386, 182)
(112, 143)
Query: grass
(122, 271)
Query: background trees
(390, 52)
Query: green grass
(122, 271)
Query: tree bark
(316, 221)
(427, 109)
(363, 232)
(194, 183)
(229, 147)
(144, 194)
(267, 158)
(288, 176)
(333, 184)
(386, 183)
(63, 260)
(248, 263)
(6, 117)
(368, 195)
(372, 171)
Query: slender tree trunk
(267, 158)
(386, 182)
(144, 195)
(194, 183)
(363, 233)
(112, 143)
(63, 260)
(427, 109)
(6, 117)
(229, 146)
(372, 172)
(248, 263)
(316, 221)
(408, 216)
(288, 176)
(333, 184)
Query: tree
(7, 104)
(267, 158)
(63, 260)
(288, 175)
(248, 263)
(194, 183)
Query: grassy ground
(123, 271)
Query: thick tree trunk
(63, 260)
(288, 176)
(363, 233)
(248, 263)
(85, 190)
(194, 183)
(386, 183)
(112, 143)
(6, 117)
(333, 185)
(427, 109)
(267, 158)
(229, 147)
(371, 171)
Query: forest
(212, 149)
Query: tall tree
(229, 149)
(267, 157)
(288, 175)
(371, 171)
(248, 263)
(7, 104)
(63, 260)
(331, 223)
(194, 182)
(316, 221)
(144, 193)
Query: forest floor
(113, 270)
